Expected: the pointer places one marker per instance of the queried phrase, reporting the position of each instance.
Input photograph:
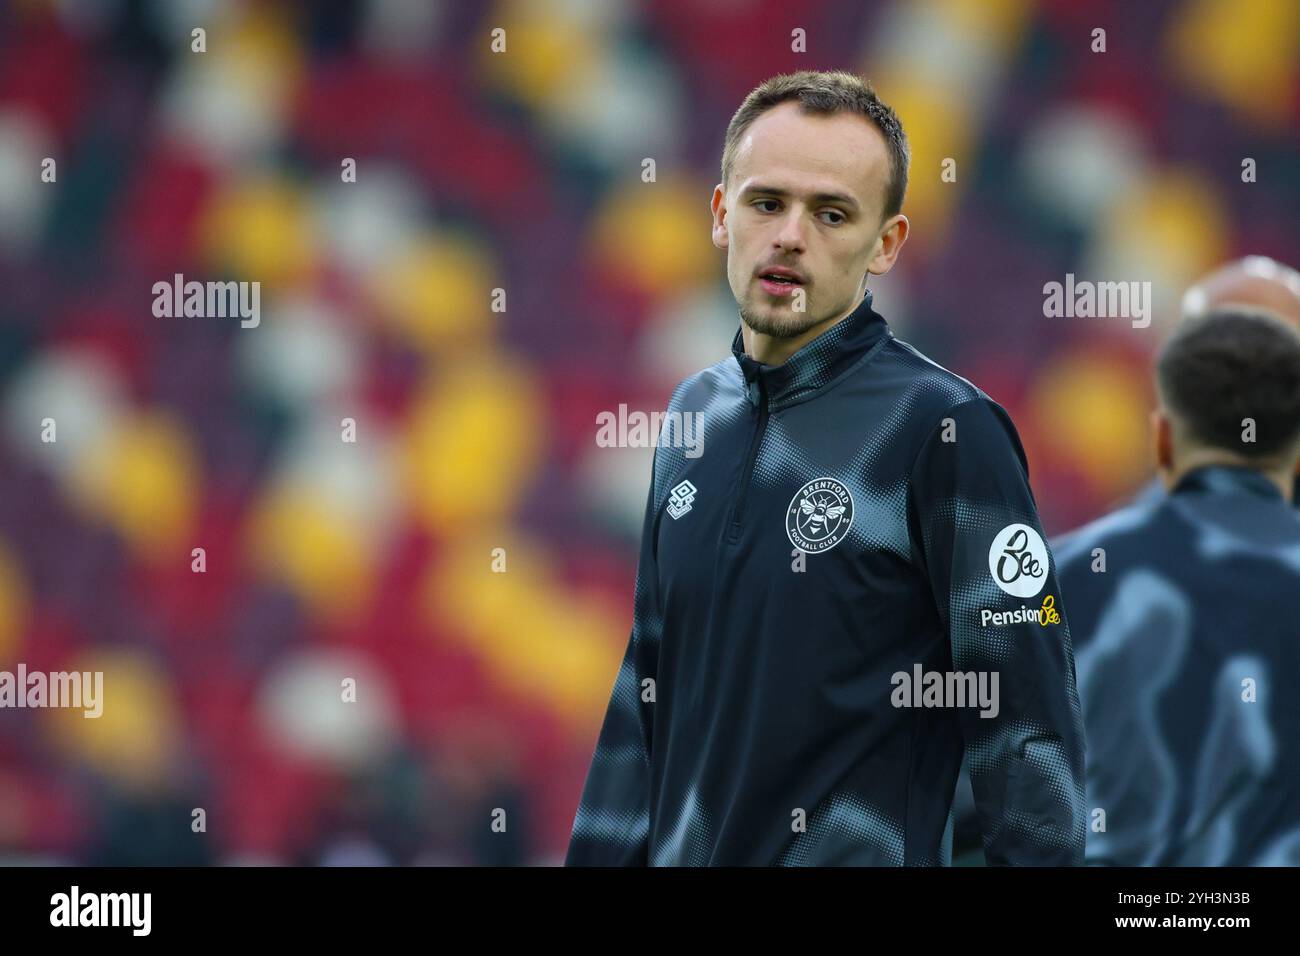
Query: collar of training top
(1227, 480)
(818, 363)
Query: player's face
(806, 194)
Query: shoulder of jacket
(696, 390)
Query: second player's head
(814, 169)
(1229, 387)
(1254, 283)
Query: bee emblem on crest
(819, 516)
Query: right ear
(718, 206)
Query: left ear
(888, 244)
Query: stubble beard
(777, 321)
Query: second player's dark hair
(1229, 365)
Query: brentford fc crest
(819, 516)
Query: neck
(772, 350)
(1283, 475)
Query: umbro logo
(681, 499)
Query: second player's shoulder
(1075, 548)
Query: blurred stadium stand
(476, 428)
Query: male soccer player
(851, 584)
(1254, 283)
(1187, 646)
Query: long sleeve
(995, 589)
(612, 825)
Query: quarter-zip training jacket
(845, 589)
(1188, 655)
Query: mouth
(780, 282)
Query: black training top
(1188, 652)
(845, 589)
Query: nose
(790, 237)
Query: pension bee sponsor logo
(1042, 616)
(1018, 560)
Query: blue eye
(835, 213)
